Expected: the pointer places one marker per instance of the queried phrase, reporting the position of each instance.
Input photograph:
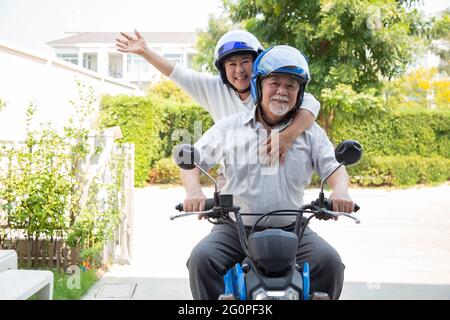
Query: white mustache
(280, 98)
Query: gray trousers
(220, 250)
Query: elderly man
(279, 78)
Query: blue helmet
(232, 43)
(280, 60)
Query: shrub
(411, 132)
(166, 171)
(371, 171)
(42, 183)
(181, 123)
(140, 121)
(168, 90)
(421, 88)
(399, 171)
(156, 125)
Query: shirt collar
(250, 117)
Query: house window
(115, 67)
(177, 57)
(69, 57)
(90, 61)
(136, 64)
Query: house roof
(109, 37)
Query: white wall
(50, 83)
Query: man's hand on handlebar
(342, 201)
(195, 201)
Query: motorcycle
(269, 270)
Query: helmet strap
(235, 89)
(242, 91)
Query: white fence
(119, 249)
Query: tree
(351, 44)
(441, 33)
(168, 90)
(206, 42)
(419, 89)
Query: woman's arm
(129, 44)
(302, 121)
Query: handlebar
(329, 205)
(337, 214)
(209, 204)
(324, 213)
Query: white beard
(279, 108)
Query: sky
(30, 24)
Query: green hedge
(165, 171)
(150, 123)
(399, 171)
(400, 147)
(414, 132)
(139, 119)
(181, 123)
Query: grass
(71, 287)
(67, 287)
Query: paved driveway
(401, 249)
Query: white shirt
(256, 187)
(219, 99)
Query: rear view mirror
(348, 152)
(186, 156)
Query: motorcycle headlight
(263, 294)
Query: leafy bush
(399, 171)
(38, 187)
(419, 89)
(140, 121)
(413, 132)
(42, 184)
(344, 103)
(181, 123)
(409, 132)
(168, 90)
(154, 125)
(164, 171)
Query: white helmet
(232, 43)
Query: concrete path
(401, 249)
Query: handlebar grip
(329, 205)
(209, 204)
